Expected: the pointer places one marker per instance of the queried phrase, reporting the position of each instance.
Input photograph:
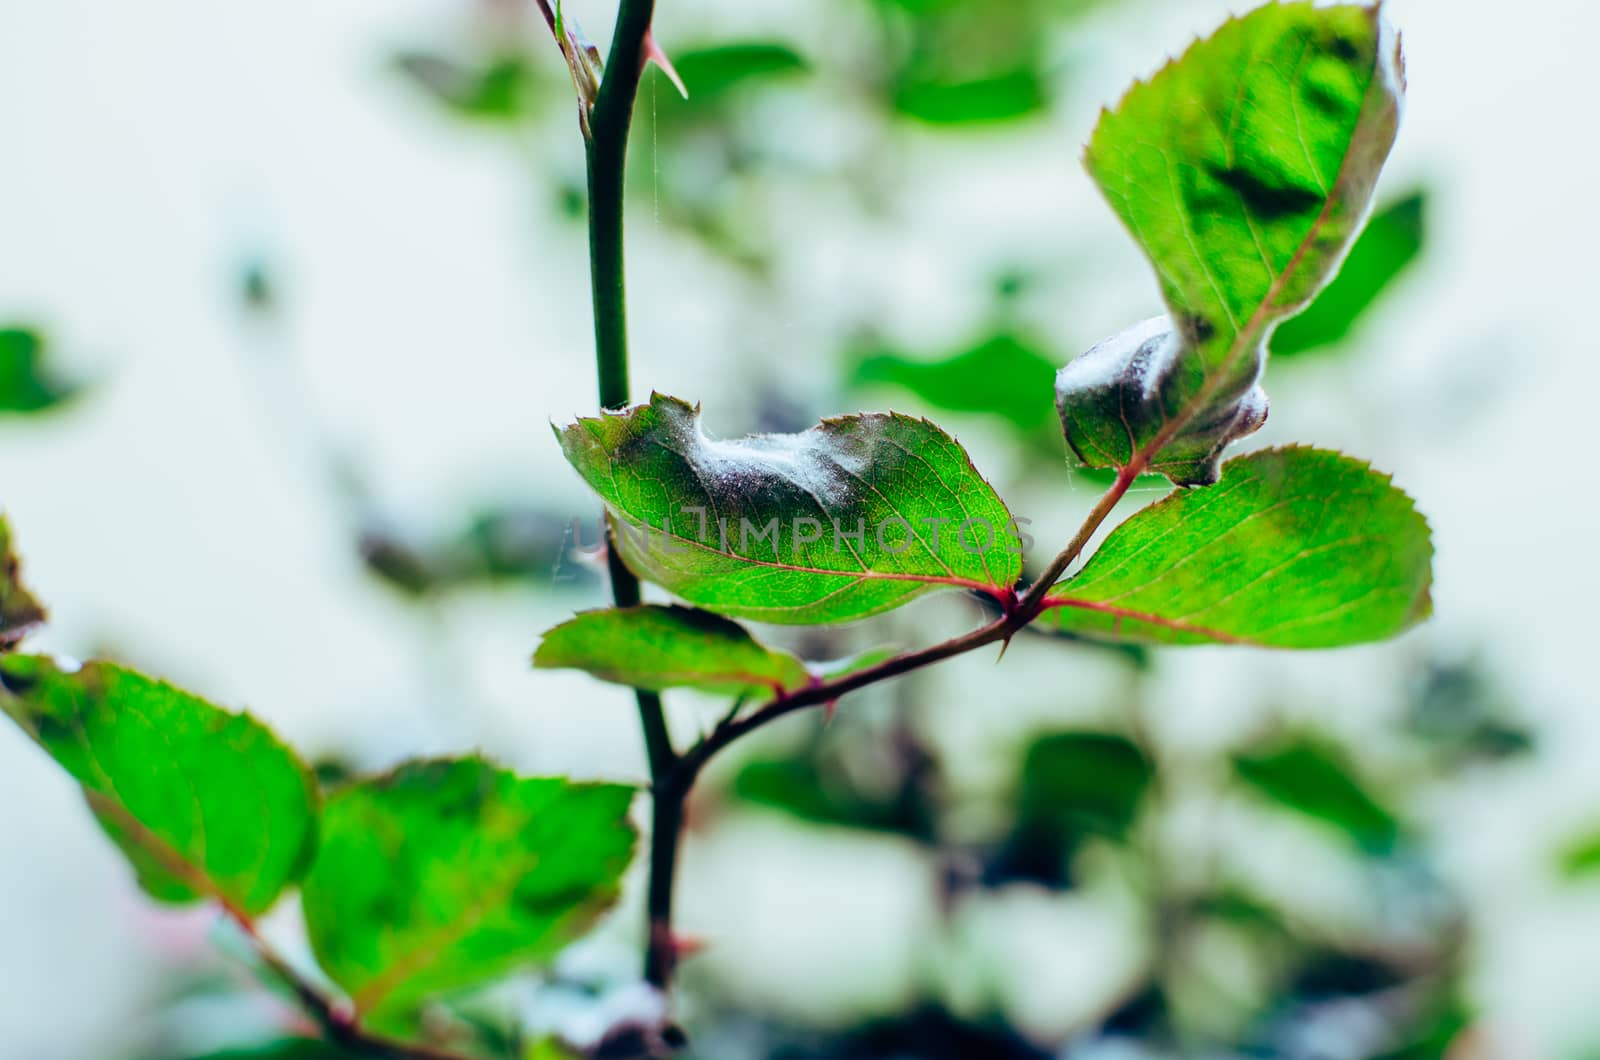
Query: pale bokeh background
(439, 313)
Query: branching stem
(673, 775)
(1001, 629)
(337, 1021)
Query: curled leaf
(1106, 396)
(1244, 170)
(854, 516)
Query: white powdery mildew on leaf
(850, 517)
(1244, 170)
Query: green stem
(607, 153)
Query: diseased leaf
(714, 70)
(19, 611)
(1112, 408)
(1244, 170)
(448, 874)
(203, 802)
(657, 648)
(855, 516)
(1388, 245)
(26, 382)
(1001, 376)
(1313, 778)
(1295, 548)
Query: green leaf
(813, 788)
(855, 516)
(1296, 548)
(1313, 778)
(500, 90)
(713, 71)
(1002, 96)
(657, 648)
(1074, 785)
(1001, 376)
(19, 611)
(448, 874)
(1391, 242)
(26, 382)
(1581, 857)
(1244, 170)
(1083, 781)
(286, 1049)
(204, 803)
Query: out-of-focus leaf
(1074, 785)
(26, 382)
(204, 803)
(766, 527)
(1377, 1005)
(1002, 96)
(1580, 858)
(1436, 1034)
(287, 1049)
(1315, 779)
(1002, 376)
(1144, 1014)
(502, 89)
(657, 648)
(928, 1031)
(1243, 170)
(1234, 906)
(1391, 241)
(548, 1049)
(712, 71)
(258, 287)
(19, 611)
(813, 790)
(444, 875)
(1465, 718)
(1296, 548)
(501, 544)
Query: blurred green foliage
(1391, 242)
(500, 88)
(28, 382)
(1000, 375)
(711, 72)
(1312, 777)
(1073, 786)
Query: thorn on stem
(650, 52)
